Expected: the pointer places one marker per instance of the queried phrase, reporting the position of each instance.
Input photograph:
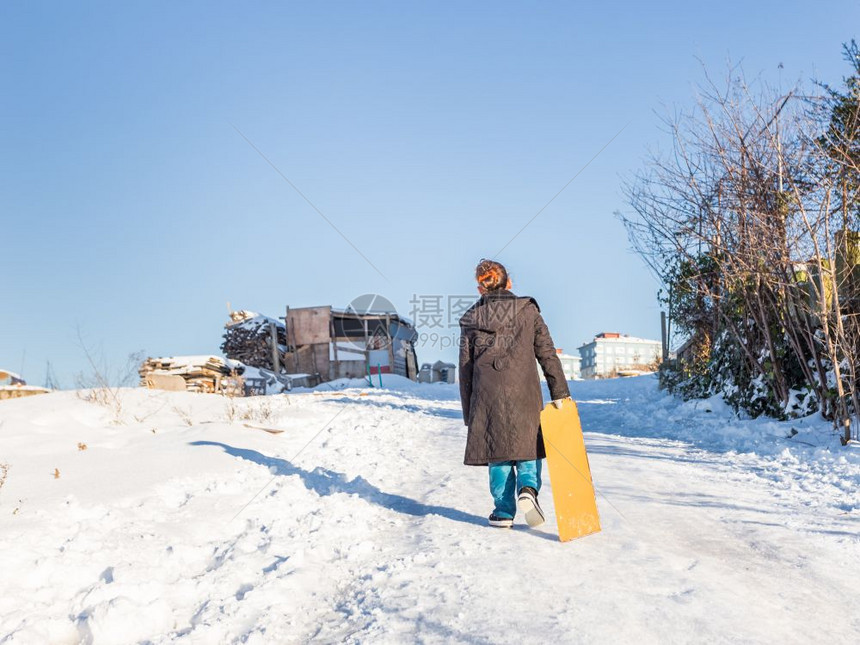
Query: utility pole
(665, 335)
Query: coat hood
(496, 311)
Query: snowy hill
(347, 516)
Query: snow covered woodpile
(250, 337)
(200, 373)
(12, 386)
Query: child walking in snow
(501, 336)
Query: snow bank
(708, 423)
(807, 447)
(343, 514)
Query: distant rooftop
(615, 336)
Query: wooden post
(295, 349)
(390, 343)
(367, 348)
(334, 367)
(276, 361)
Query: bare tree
(738, 222)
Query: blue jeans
(506, 478)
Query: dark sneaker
(501, 522)
(528, 504)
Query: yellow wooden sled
(569, 473)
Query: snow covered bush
(724, 371)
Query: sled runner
(569, 473)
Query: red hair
(491, 275)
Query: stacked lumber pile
(200, 373)
(13, 386)
(248, 338)
(18, 391)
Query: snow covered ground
(190, 522)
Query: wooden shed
(345, 343)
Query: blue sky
(427, 133)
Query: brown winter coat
(500, 337)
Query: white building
(611, 354)
(569, 364)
